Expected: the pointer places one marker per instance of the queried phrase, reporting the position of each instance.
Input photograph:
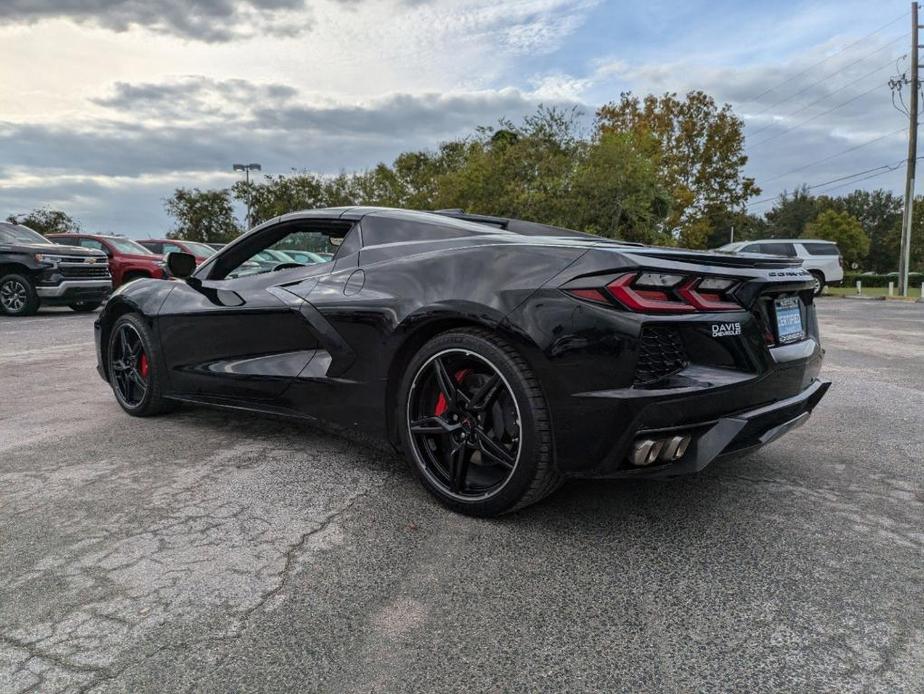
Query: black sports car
(501, 356)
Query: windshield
(200, 249)
(16, 233)
(128, 246)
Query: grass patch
(870, 291)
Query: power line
(835, 156)
(881, 169)
(818, 115)
(829, 76)
(823, 97)
(833, 55)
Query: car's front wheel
(133, 370)
(475, 424)
(18, 296)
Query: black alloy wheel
(465, 423)
(132, 370)
(129, 365)
(476, 424)
(17, 296)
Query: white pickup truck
(821, 258)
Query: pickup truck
(36, 271)
(128, 260)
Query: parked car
(36, 271)
(821, 258)
(128, 260)
(502, 357)
(200, 251)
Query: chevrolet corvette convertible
(501, 356)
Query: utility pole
(905, 254)
(247, 168)
(732, 236)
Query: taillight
(653, 292)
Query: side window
(821, 249)
(66, 241)
(786, 249)
(92, 243)
(285, 246)
(153, 246)
(169, 248)
(753, 248)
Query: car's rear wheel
(475, 424)
(18, 296)
(85, 306)
(819, 282)
(134, 374)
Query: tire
(18, 296)
(478, 360)
(85, 306)
(819, 282)
(137, 401)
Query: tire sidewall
(821, 282)
(525, 470)
(31, 304)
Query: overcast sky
(107, 105)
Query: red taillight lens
(589, 294)
(645, 300)
(704, 298)
(650, 292)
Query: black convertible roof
(517, 226)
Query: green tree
(46, 221)
(617, 193)
(278, 195)
(202, 215)
(879, 211)
(891, 246)
(701, 158)
(845, 231)
(791, 213)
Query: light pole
(247, 168)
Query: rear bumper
(734, 434)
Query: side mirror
(180, 265)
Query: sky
(107, 106)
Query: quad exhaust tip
(647, 451)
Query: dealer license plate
(788, 320)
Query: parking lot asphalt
(215, 551)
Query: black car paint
(329, 342)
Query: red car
(128, 260)
(201, 251)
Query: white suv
(821, 258)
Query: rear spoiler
(745, 260)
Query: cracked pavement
(213, 551)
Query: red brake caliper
(441, 403)
(143, 366)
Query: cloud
(187, 132)
(204, 20)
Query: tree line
(665, 170)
